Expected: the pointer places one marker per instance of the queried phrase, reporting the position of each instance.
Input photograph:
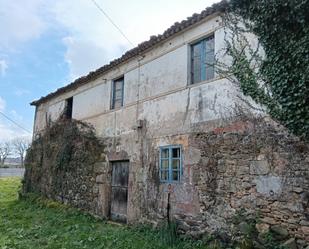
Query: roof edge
(176, 28)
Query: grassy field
(27, 224)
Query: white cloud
(20, 92)
(84, 56)
(90, 39)
(93, 40)
(20, 21)
(3, 67)
(8, 130)
(15, 116)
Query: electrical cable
(112, 22)
(11, 120)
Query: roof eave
(143, 47)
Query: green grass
(35, 224)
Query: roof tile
(142, 47)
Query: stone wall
(256, 167)
(253, 170)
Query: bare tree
(5, 151)
(20, 146)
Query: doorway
(119, 195)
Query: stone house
(162, 106)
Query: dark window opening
(69, 108)
(117, 93)
(202, 60)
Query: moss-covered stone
(62, 165)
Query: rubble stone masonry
(255, 167)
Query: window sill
(117, 108)
(170, 183)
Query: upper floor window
(117, 93)
(202, 60)
(170, 163)
(68, 108)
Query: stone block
(305, 229)
(298, 190)
(259, 167)
(269, 220)
(301, 243)
(290, 244)
(262, 227)
(279, 231)
(100, 167)
(268, 185)
(242, 170)
(294, 207)
(100, 179)
(291, 221)
(221, 166)
(304, 223)
(246, 185)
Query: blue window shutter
(170, 177)
(169, 158)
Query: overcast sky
(45, 44)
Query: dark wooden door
(119, 197)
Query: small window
(170, 163)
(202, 60)
(117, 93)
(69, 108)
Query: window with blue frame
(170, 163)
(117, 93)
(202, 60)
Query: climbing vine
(64, 153)
(273, 72)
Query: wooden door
(119, 197)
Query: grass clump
(33, 222)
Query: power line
(112, 22)
(8, 118)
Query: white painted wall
(91, 102)
(156, 89)
(55, 110)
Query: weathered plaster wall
(223, 172)
(55, 110)
(163, 70)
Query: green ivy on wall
(282, 28)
